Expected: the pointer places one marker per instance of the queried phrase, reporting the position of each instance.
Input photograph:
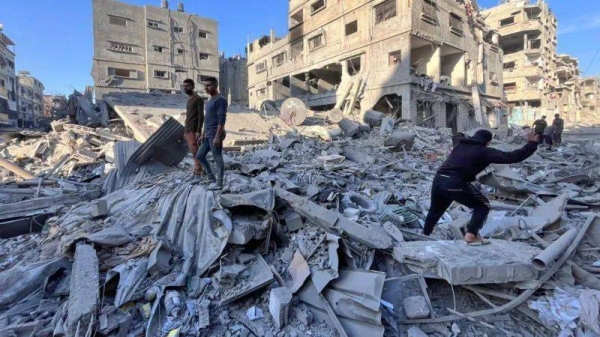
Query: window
(180, 51)
(123, 73)
(315, 42)
(180, 71)
(115, 20)
(153, 24)
(535, 44)
(158, 49)
(317, 6)
(262, 66)
(278, 59)
(510, 87)
(385, 11)
(510, 66)
(456, 25)
(161, 74)
(296, 49)
(493, 78)
(351, 27)
(11, 64)
(121, 47)
(178, 30)
(261, 92)
(202, 34)
(297, 18)
(354, 66)
(395, 57)
(429, 13)
(507, 22)
(203, 56)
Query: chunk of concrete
(349, 127)
(279, 306)
(293, 222)
(83, 295)
(416, 332)
(99, 209)
(159, 260)
(416, 307)
(304, 316)
(373, 117)
(399, 141)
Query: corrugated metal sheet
(123, 150)
(167, 145)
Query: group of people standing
(549, 134)
(205, 131)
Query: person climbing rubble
(194, 120)
(453, 180)
(213, 134)
(559, 126)
(538, 127)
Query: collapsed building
(567, 97)
(590, 100)
(528, 38)
(144, 49)
(31, 99)
(433, 62)
(8, 82)
(233, 79)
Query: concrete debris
(319, 223)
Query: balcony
(522, 27)
(524, 71)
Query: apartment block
(434, 62)
(528, 37)
(31, 100)
(567, 93)
(233, 79)
(8, 81)
(145, 49)
(590, 97)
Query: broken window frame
(157, 74)
(353, 29)
(509, 66)
(314, 10)
(261, 92)
(311, 41)
(429, 12)
(202, 34)
(177, 30)
(351, 68)
(456, 24)
(118, 20)
(203, 56)
(159, 49)
(395, 57)
(510, 87)
(502, 24)
(154, 24)
(121, 47)
(293, 22)
(279, 59)
(261, 66)
(120, 73)
(180, 51)
(385, 11)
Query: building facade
(31, 100)
(590, 97)
(567, 97)
(8, 81)
(433, 62)
(233, 79)
(528, 37)
(145, 49)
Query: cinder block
(279, 305)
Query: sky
(54, 38)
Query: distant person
(549, 135)
(194, 120)
(539, 126)
(453, 180)
(213, 135)
(559, 127)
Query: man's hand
(198, 136)
(533, 137)
(217, 142)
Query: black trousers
(541, 137)
(447, 189)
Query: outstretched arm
(494, 156)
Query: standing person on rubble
(559, 126)
(453, 180)
(549, 135)
(539, 126)
(213, 134)
(194, 120)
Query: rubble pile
(311, 236)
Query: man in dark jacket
(453, 180)
(539, 126)
(559, 126)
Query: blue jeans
(217, 153)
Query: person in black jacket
(538, 127)
(453, 180)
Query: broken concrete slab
(279, 306)
(414, 331)
(458, 263)
(293, 221)
(159, 259)
(373, 117)
(299, 270)
(399, 141)
(84, 292)
(257, 275)
(349, 127)
(416, 307)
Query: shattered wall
(233, 79)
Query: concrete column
(408, 111)
(434, 65)
(439, 110)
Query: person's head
(189, 86)
(211, 85)
(557, 116)
(483, 137)
(543, 117)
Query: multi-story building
(430, 61)
(567, 94)
(8, 82)
(528, 37)
(590, 97)
(144, 49)
(31, 99)
(55, 106)
(233, 79)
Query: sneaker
(216, 186)
(207, 180)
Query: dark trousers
(541, 137)
(444, 191)
(217, 153)
(557, 138)
(548, 139)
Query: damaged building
(31, 99)
(145, 49)
(8, 89)
(590, 100)
(568, 93)
(528, 38)
(233, 79)
(433, 62)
